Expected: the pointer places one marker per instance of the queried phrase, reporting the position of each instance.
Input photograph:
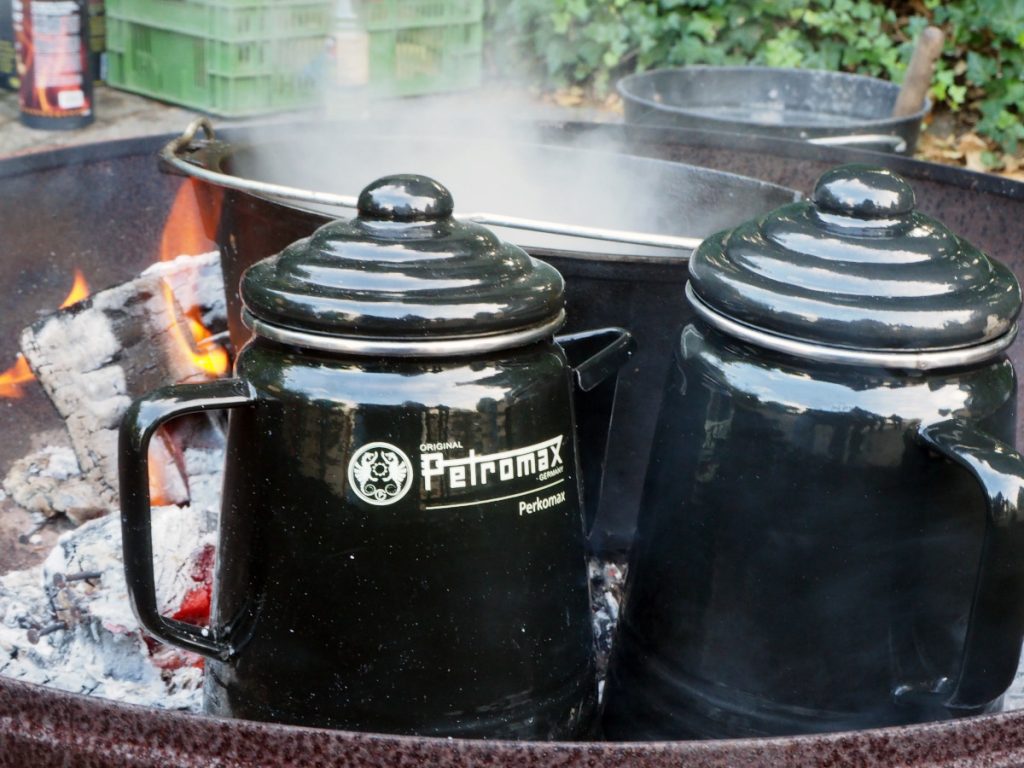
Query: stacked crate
(423, 46)
(227, 57)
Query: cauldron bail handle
(995, 625)
(890, 142)
(595, 358)
(141, 421)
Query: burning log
(94, 357)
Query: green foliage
(594, 42)
(983, 64)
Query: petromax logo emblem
(380, 474)
(541, 461)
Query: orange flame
(193, 212)
(13, 378)
(185, 233)
(79, 291)
(157, 483)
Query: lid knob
(863, 192)
(405, 197)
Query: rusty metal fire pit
(104, 210)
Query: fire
(13, 378)
(186, 233)
(193, 214)
(157, 483)
(194, 340)
(79, 291)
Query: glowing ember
(185, 233)
(13, 378)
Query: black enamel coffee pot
(401, 543)
(831, 533)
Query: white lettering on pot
(493, 468)
(538, 503)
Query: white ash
(205, 469)
(97, 647)
(49, 482)
(607, 579)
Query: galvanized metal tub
(823, 107)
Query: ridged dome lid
(403, 269)
(856, 267)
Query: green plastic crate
(229, 20)
(242, 74)
(423, 46)
(393, 14)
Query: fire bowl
(101, 209)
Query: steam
(496, 155)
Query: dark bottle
(401, 542)
(831, 534)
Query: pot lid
(402, 270)
(856, 267)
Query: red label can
(51, 38)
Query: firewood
(94, 357)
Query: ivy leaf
(560, 22)
(703, 27)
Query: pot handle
(995, 624)
(140, 422)
(595, 358)
(894, 144)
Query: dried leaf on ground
(569, 97)
(970, 150)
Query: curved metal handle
(898, 143)
(996, 621)
(170, 154)
(140, 423)
(595, 358)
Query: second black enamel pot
(831, 534)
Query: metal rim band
(443, 347)
(921, 360)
